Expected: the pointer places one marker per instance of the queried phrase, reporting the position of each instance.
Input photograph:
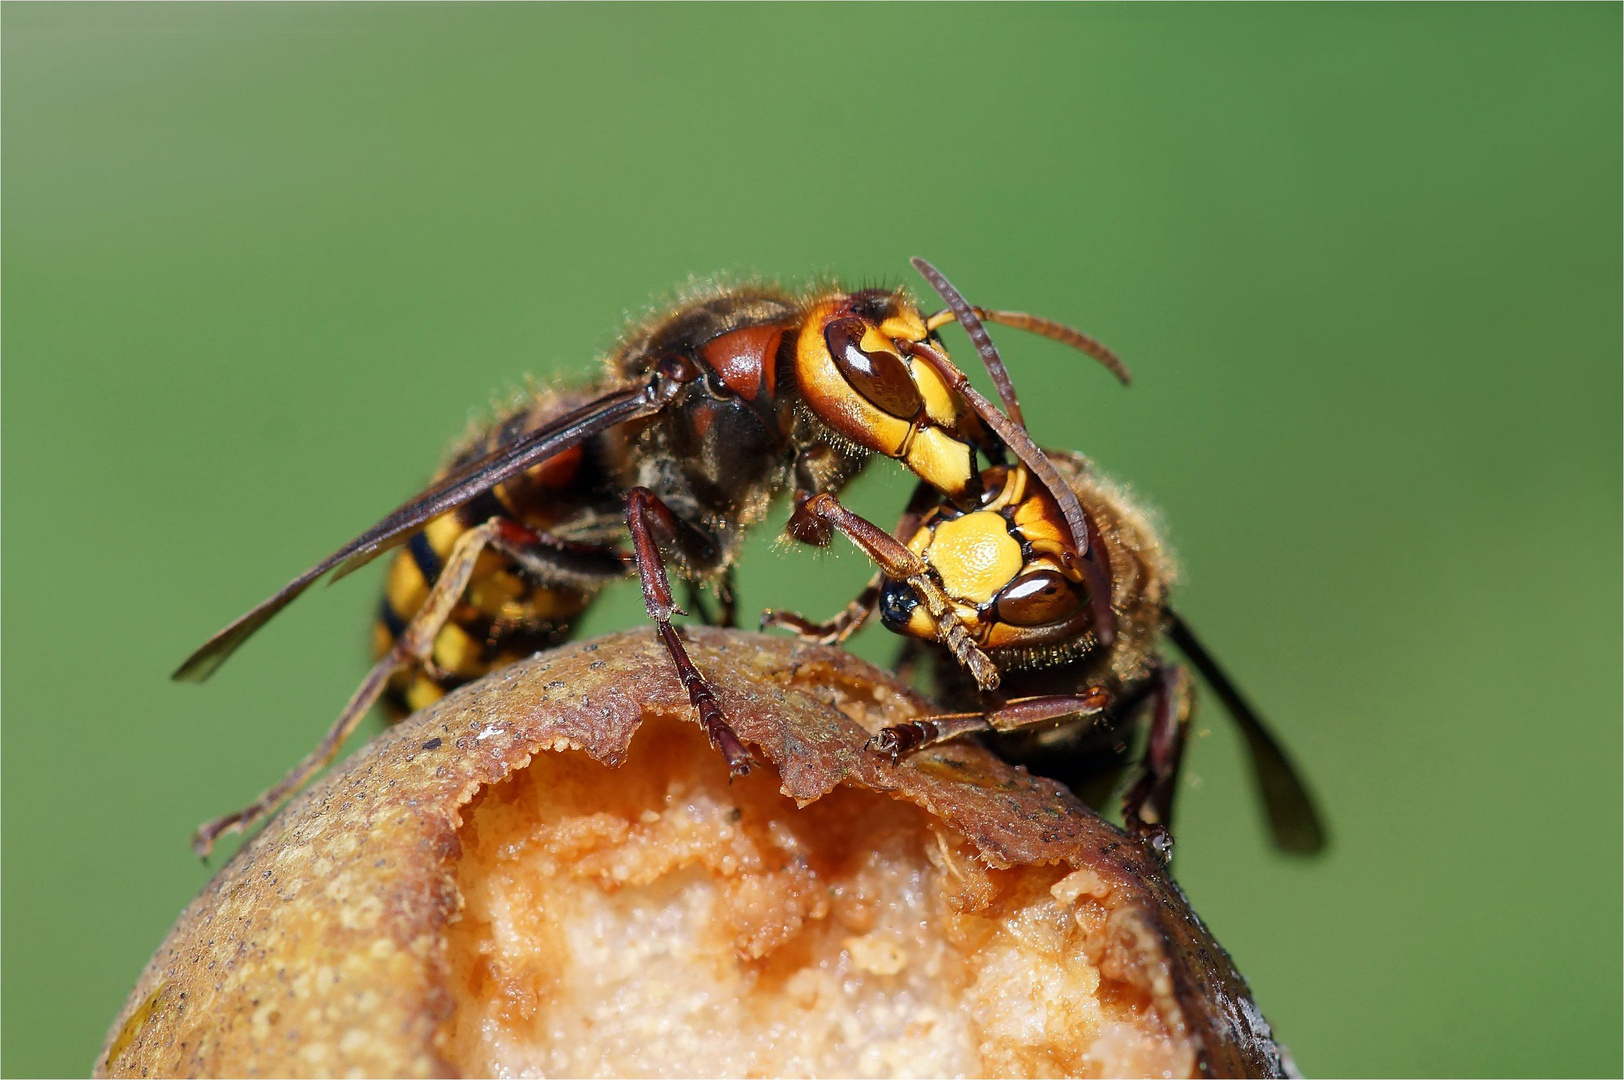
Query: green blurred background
(262, 262)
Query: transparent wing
(446, 493)
(1293, 818)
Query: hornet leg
(1147, 809)
(549, 561)
(1014, 715)
(415, 644)
(895, 561)
(835, 631)
(643, 511)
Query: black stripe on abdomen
(391, 619)
(423, 554)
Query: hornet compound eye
(880, 376)
(1038, 598)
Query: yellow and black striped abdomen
(502, 617)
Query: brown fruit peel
(320, 947)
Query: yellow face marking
(921, 625)
(919, 543)
(1047, 535)
(1001, 635)
(906, 323)
(940, 460)
(967, 617)
(941, 404)
(1038, 520)
(1011, 491)
(974, 556)
(874, 341)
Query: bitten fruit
(548, 873)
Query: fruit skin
(319, 949)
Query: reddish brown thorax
(746, 360)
